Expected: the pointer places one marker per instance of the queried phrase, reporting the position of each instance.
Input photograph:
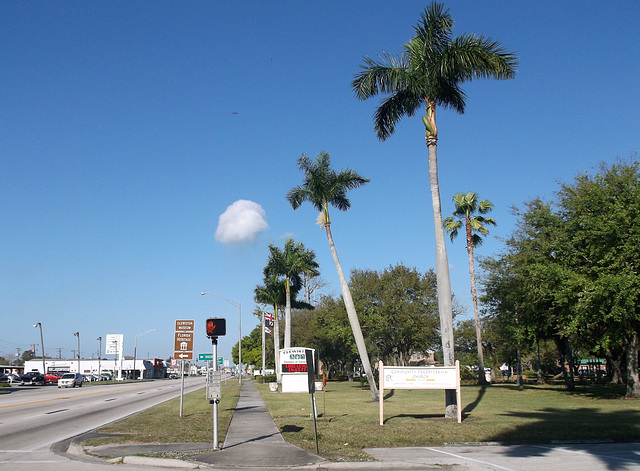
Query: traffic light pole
(216, 445)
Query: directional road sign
(205, 356)
(183, 339)
(185, 325)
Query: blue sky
(128, 129)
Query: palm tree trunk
(287, 315)
(472, 274)
(442, 275)
(353, 318)
(276, 342)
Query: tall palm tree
(291, 262)
(322, 186)
(272, 292)
(475, 227)
(428, 74)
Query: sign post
(183, 348)
(311, 383)
(215, 327)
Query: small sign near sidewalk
(427, 377)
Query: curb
(157, 462)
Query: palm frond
(473, 57)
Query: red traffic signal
(216, 327)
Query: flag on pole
(267, 330)
(268, 316)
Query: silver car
(70, 380)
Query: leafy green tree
(475, 227)
(251, 347)
(322, 186)
(399, 310)
(602, 217)
(334, 335)
(429, 73)
(291, 262)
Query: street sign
(214, 386)
(185, 325)
(183, 355)
(220, 360)
(205, 356)
(183, 342)
(113, 344)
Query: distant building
(422, 358)
(145, 369)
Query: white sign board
(293, 366)
(113, 344)
(214, 384)
(427, 377)
(430, 377)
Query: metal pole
(44, 367)
(77, 334)
(99, 358)
(239, 342)
(135, 351)
(216, 444)
(182, 384)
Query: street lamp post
(77, 334)
(99, 339)
(135, 350)
(44, 368)
(239, 331)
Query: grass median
(348, 421)
(162, 423)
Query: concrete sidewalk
(253, 439)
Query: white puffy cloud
(241, 222)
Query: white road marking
(470, 459)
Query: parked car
(13, 378)
(32, 377)
(70, 380)
(4, 378)
(52, 376)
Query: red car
(52, 377)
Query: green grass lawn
(163, 424)
(349, 421)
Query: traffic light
(216, 327)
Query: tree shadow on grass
(415, 416)
(585, 429)
(467, 410)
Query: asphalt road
(32, 418)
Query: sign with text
(183, 342)
(427, 377)
(185, 325)
(214, 384)
(183, 339)
(407, 377)
(113, 344)
(293, 365)
(205, 356)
